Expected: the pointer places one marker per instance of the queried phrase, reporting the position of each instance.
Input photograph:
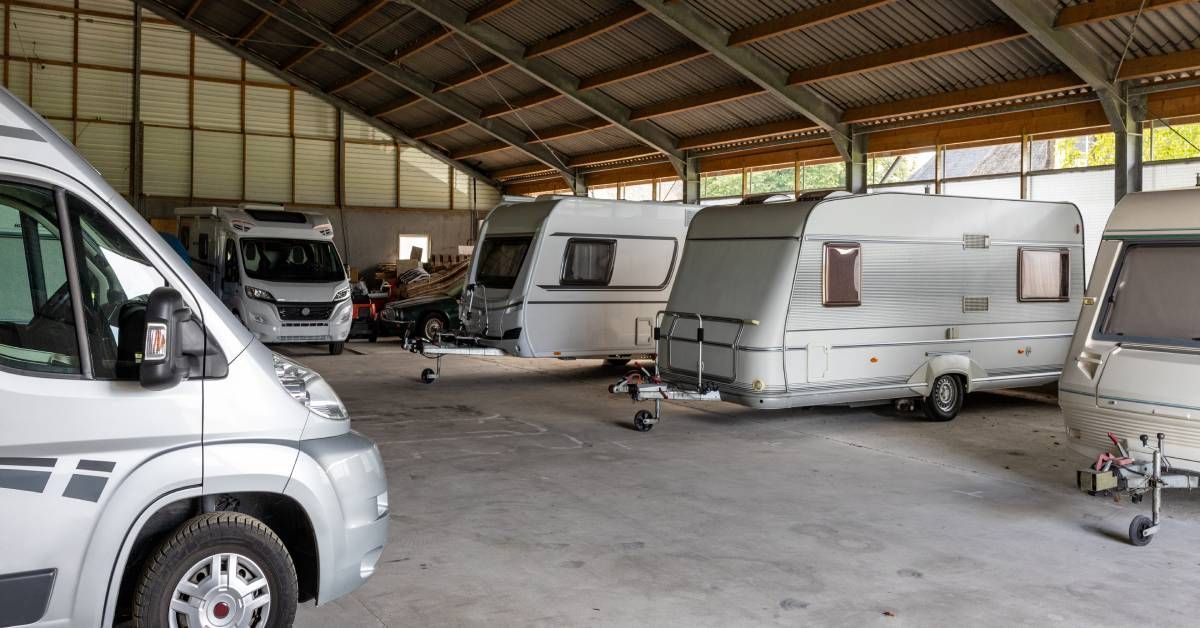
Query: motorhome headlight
(260, 294)
(342, 294)
(309, 388)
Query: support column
(691, 181)
(135, 124)
(856, 166)
(339, 161)
(1026, 164)
(1128, 176)
(581, 188)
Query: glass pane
(1177, 141)
(609, 192)
(991, 187)
(1044, 275)
(639, 192)
(842, 279)
(1073, 152)
(715, 185)
(982, 160)
(1156, 295)
(900, 168)
(1091, 191)
(829, 176)
(775, 180)
(670, 190)
(1170, 176)
(37, 323)
(116, 280)
(500, 261)
(300, 261)
(589, 262)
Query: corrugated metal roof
(640, 39)
(702, 74)
(533, 20)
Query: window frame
(1064, 275)
(612, 262)
(825, 302)
(1106, 307)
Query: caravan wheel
(945, 398)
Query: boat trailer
(1113, 475)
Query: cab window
(37, 321)
(115, 281)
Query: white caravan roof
(632, 217)
(267, 221)
(1156, 213)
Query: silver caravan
(569, 277)
(855, 299)
(1128, 392)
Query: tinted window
(1044, 275)
(841, 279)
(500, 261)
(37, 322)
(273, 259)
(1156, 296)
(116, 280)
(588, 262)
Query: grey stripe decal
(104, 466)
(28, 462)
(20, 133)
(85, 487)
(22, 480)
(1145, 402)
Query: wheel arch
(956, 364)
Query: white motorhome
(569, 277)
(848, 299)
(156, 460)
(276, 269)
(1129, 384)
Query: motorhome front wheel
(219, 569)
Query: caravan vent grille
(975, 304)
(976, 241)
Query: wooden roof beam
(582, 33)
(784, 127)
(619, 154)
(1100, 10)
(1021, 88)
(1145, 67)
(192, 8)
(569, 129)
(253, 27)
(342, 27)
(807, 18)
(668, 59)
(988, 35)
(689, 102)
(489, 9)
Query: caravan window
(841, 275)
(1155, 297)
(1043, 275)
(500, 260)
(588, 262)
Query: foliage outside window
(829, 176)
(721, 184)
(1080, 151)
(1161, 142)
(773, 180)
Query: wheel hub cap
(945, 395)
(220, 591)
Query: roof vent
(976, 241)
(975, 304)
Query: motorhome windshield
(1156, 297)
(274, 259)
(500, 261)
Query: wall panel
(314, 172)
(107, 147)
(105, 95)
(217, 168)
(218, 105)
(18, 80)
(212, 61)
(424, 181)
(52, 90)
(41, 34)
(267, 110)
(167, 161)
(165, 100)
(370, 175)
(268, 168)
(165, 48)
(106, 42)
(314, 118)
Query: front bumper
(348, 487)
(263, 320)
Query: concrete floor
(522, 497)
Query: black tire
(643, 421)
(208, 536)
(428, 376)
(945, 398)
(432, 324)
(335, 348)
(1137, 530)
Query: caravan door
(1152, 313)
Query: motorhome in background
(854, 299)
(277, 270)
(571, 277)
(1135, 359)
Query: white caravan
(277, 269)
(1129, 385)
(855, 299)
(569, 277)
(156, 461)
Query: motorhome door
(231, 276)
(1151, 314)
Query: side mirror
(163, 363)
